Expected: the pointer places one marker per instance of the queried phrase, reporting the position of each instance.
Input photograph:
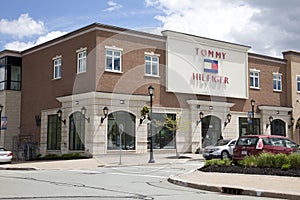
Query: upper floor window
(113, 60)
(10, 73)
(151, 64)
(81, 61)
(298, 83)
(254, 79)
(277, 82)
(57, 68)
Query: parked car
(5, 155)
(222, 149)
(256, 144)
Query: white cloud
(24, 26)
(113, 6)
(49, 36)
(151, 2)
(20, 46)
(213, 19)
(266, 26)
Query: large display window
(121, 131)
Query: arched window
(163, 137)
(278, 127)
(76, 131)
(121, 131)
(211, 130)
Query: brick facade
(127, 91)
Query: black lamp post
(252, 115)
(151, 91)
(1, 109)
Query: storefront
(209, 89)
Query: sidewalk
(241, 184)
(105, 160)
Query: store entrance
(278, 127)
(211, 130)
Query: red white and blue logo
(211, 66)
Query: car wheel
(224, 155)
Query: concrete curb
(230, 190)
(19, 168)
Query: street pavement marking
(116, 173)
(139, 175)
(86, 171)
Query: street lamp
(252, 115)
(105, 113)
(59, 115)
(292, 122)
(270, 121)
(228, 119)
(200, 118)
(1, 109)
(83, 112)
(150, 92)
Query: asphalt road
(124, 182)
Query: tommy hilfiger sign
(210, 66)
(197, 65)
(210, 78)
(211, 53)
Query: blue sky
(268, 26)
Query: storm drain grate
(235, 191)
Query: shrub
(227, 162)
(62, 157)
(70, 156)
(38, 156)
(265, 160)
(294, 160)
(286, 166)
(210, 162)
(280, 160)
(218, 162)
(51, 156)
(249, 161)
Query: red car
(256, 144)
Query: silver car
(222, 149)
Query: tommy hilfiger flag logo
(211, 66)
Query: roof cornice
(7, 52)
(267, 58)
(90, 28)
